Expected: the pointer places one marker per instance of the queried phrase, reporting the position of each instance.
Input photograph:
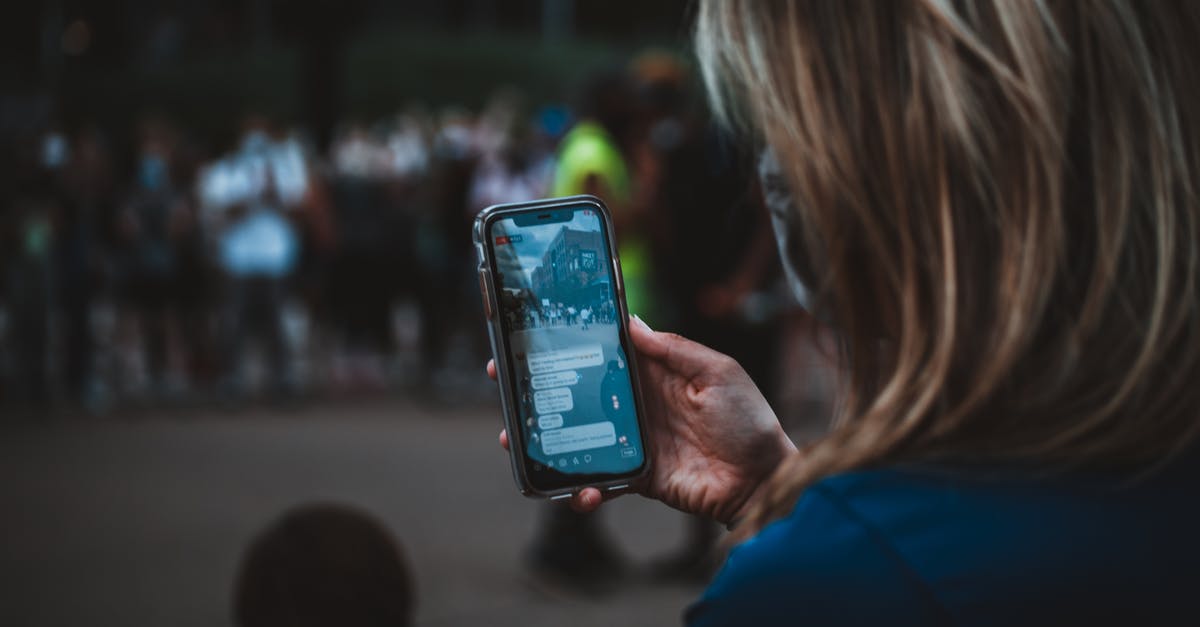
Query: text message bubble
(555, 379)
(579, 438)
(553, 401)
(566, 359)
(550, 421)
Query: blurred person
(89, 193)
(311, 322)
(408, 195)
(407, 146)
(499, 122)
(193, 292)
(367, 227)
(147, 257)
(250, 200)
(990, 203)
(324, 565)
(508, 170)
(29, 293)
(445, 259)
(454, 137)
(356, 153)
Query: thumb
(677, 353)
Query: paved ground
(141, 520)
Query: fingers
(491, 369)
(677, 353)
(588, 500)
(645, 339)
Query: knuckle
(726, 364)
(673, 338)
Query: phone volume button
(483, 291)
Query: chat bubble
(566, 359)
(555, 379)
(579, 438)
(553, 401)
(550, 421)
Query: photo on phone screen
(557, 307)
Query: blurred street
(141, 519)
(237, 277)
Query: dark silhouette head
(324, 566)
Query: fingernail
(639, 320)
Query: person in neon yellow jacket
(590, 162)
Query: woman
(993, 203)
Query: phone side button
(483, 291)
(617, 487)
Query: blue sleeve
(822, 565)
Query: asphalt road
(131, 521)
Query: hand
(712, 438)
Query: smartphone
(556, 315)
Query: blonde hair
(1012, 183)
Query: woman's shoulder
(818, 563)
(919, 545)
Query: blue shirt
(262, 243)
(923, 546)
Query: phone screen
(558, 310)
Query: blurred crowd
(145, 265)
